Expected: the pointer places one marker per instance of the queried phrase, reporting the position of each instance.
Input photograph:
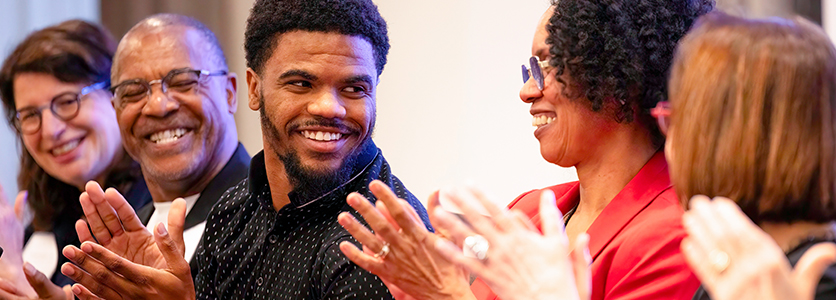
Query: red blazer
(634, 243)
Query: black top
(64, 227)
(251, 251)
(826, 290)
(235, 170)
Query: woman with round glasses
(54, 88)
(597, 69)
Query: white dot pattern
(251, 251)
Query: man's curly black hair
(271, 18)
(621, 49)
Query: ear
(232, 92)
(253, 89)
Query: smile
(541, 120)
(321, 135)
(69, 146)
(167, 136)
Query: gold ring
(719, 260)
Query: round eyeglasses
(536, 71)
(662, 113)
(64, 106)
(180, 81)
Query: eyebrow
(300, 73)
(359, 78)
(539, 53)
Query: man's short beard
(309, 183)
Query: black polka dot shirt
(251, 251)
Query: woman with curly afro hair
(598, 67)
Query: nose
(529, 91)
(159, 104)
(328, 105)
(51, 126)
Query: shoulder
(529, 202)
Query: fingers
(809, 269)
(551, 220)
(451, 225)
(126, 214)
(403, 216)
(581, 259)
(99, 270)
(171, 251)
(20, 203)
(84, 294)
(449, 251)
(697, 259)
(376, 221)
(87, 287)
(470, 208)
(8, 290)
(176, 222)
(40, 283)
(83, 232)
(701, 223)
(97, 225)
(365, 261)
(359, 232)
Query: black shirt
(251, 251)
(826, 289)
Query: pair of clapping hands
(119, 258)
(521, 262)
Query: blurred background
(448, 110)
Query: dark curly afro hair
(620, 50)
(270, 18)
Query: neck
(164, 190)
(789, 236)
(280, 186)
(607, 171)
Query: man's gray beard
(307, 183)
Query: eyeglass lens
(178, 81)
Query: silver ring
(476, 246)
(383, 251)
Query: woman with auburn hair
(54, 91)
(753, 119)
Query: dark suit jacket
(235, 170)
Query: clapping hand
(735, 259)
(508, 252)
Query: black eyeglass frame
(38, 111)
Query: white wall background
(448, 107)
(17, 19)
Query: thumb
(41, 284)
(20, 203)
(172, 253)
(176, 222)
(68, 292)
(811, 266)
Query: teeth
(321, 135)
(167, 136)
(66, 148)
(538, 121)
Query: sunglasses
(536, 71)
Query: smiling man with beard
(314, 66)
